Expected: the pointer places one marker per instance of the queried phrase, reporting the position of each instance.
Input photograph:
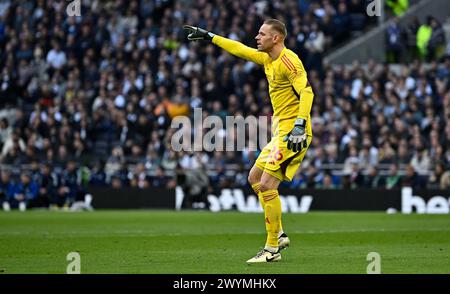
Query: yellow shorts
(278, 161)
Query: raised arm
(234, 47)
(240, 50)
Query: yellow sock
(272, 214)
(255, 188)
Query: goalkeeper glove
(297, 137)
(196, 33)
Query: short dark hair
(277, 25)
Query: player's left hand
(296, 139)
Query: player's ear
(276, 38)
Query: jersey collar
(281, 54)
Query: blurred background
(86, 101)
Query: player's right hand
(196, 33)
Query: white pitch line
(153, 234)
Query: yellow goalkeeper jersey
(290, 92)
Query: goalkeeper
(291, 96)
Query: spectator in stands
(393, 181)
(395, 42)
(421, 161)
(218, 178)
(403, 156)
(47, 185)
(159, 179)
(373, 180)
(194, 183)
(351, 160)
(34, 170)
(115, 160)
(69, 186)
(412, 179)
(387, 154)
(6, 189)
(346, 183)
(355, 176)
(5, 131)
(61, 158)
(116, 183)
(123, 175)
(56, 58)
(436, 44)
(411, 33)
(436, 178)
(327, 182)
(25, 192)
(445, 181)
(98, 175)
(341, 23)
(368, 155)
(140, 178)
(332, 156)
(314, 177)
(398, 7)
(169, 160)
(315, 44)
(13, 142)
(423, 38)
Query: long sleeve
(296, 75)
(240, 50)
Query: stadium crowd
(422, 41)
(88, 100)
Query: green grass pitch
(169, 242)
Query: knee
(265, 186)
(268, 183)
